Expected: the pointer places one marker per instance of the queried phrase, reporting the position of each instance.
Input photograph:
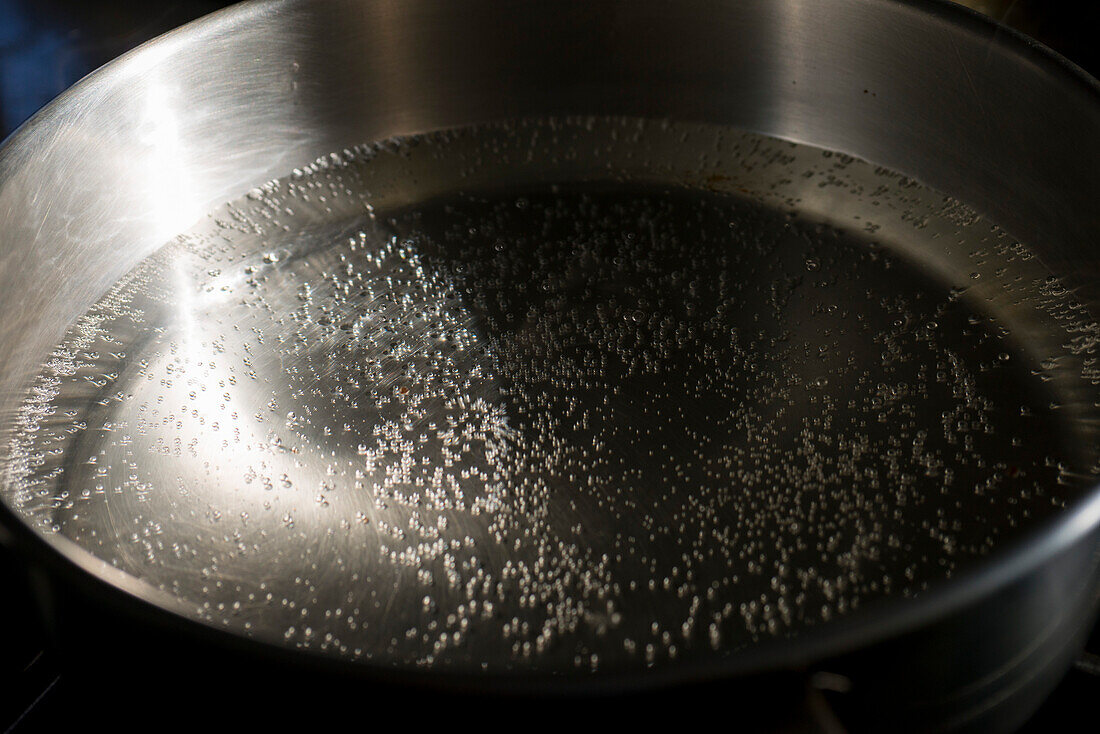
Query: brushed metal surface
(141, 150)
(201, 115)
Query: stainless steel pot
(130, 156)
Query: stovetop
(47, 45)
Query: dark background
(47, 45)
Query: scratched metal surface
(179, 169)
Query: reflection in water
(591, 422)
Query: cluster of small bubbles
(574, 423)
